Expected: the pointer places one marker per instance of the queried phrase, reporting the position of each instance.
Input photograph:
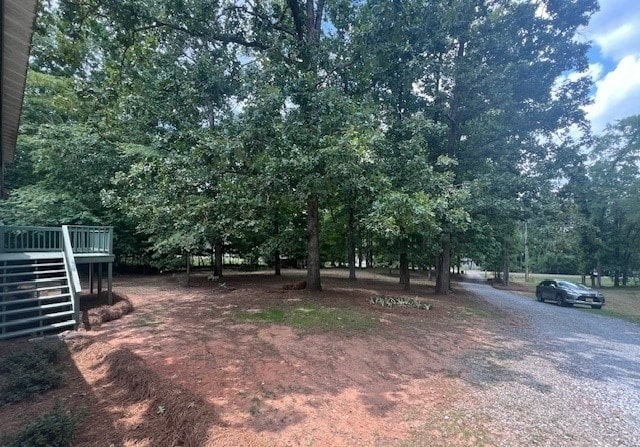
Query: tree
(288, 37)
(613, 206)
(494, 85)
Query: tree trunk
(351, 245)
(276, 262)
(187, 257)
(276, 253)
(404, 270)
(443, 265)
(505, 263)
(313, 245)
(598, 274)
(217, 265)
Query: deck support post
(91, 278)
(99, 278)
(110, 282)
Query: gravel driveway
(554, 376)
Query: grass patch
(29, 371)
(313, 316)
(267, 315)
(612, 313)
(53, 429)
(622, 303)
(475, 312)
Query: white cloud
(615, 33)
(617, 94)
(616, 28)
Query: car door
(549, 290)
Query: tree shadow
(76, 396)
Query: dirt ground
(182, 370)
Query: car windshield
(569, 285)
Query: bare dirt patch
(183, 370)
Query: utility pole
(526, 254)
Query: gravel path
(554, 376)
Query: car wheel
(539, 296)
(560, 300)
(596, 306)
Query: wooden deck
(92, 245)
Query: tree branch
(224, 38)
(319, 13)
(277, 25)
(296, 14)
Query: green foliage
(406, 124)
(28, 372)
(55, 428)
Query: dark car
(567, 293)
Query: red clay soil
(182, 370)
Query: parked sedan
(567, 293)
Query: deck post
(110, 282)
(99, 278)
(91, 278)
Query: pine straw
(96, 311)
(174, 416)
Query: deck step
(32, 290)
(34, 281)
(37, 308)
(24, 264)
(33, 273)
(35, 299)
(35, 288)
(36, 330)
(35, 319)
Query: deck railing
(98, 240)
(19, 239)
(84, 239)
(72, 272)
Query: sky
(614, 62)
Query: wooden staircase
(35, 294)
(39, 283)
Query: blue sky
(614, 62)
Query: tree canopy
(404, 132)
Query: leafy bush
(53, 429)
(28, 372)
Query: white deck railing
(72, 272)
(85, 240)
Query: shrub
(53, 429)
(28, 372)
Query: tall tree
(494, 84)
(288, 36)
